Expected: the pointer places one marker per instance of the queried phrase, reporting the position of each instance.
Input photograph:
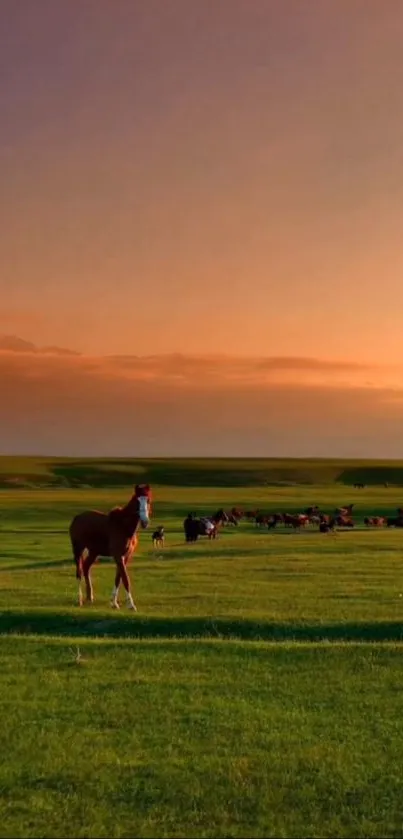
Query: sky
(200, 227)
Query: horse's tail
(77, 551)
(78, 559)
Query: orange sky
(63, 403)
(209, 178)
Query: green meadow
(258, 690)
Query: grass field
(257, 692)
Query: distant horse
(233, 516)
(394, 522)
(95, 534)
(159, 537)
(344, 511)
(344, 521)
(327, 524)
(209, 524)
(220, 517)
(274, 520)
(251, 514)
(295, 520)
(195, 527)
(312, 511)
(262, 520)
(232, 519)
(375, 521)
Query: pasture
(258, 690)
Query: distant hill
(26, 472)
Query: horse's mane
(115, 513)
(127, 518)
(124, 518)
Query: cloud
(12, 343)
(22, 359)
(62, 403)
(176, 361)
(298, 363)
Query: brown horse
(375, 521)
(344, 511)
(95, 534)
(344, 521)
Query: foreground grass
(180, 720)
(200, 739)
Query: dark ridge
(31, 472)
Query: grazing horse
(375, 521)
(344, 521)
(394, 522)
(95, 534)
(327, 524)
(251, 514)
(312, 511)
(295, 520)
(274, 520)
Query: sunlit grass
(257, 691)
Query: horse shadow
(98, 624)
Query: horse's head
(143, 494)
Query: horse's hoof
(115, 604)
(132, 606)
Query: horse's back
(88, 523)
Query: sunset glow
(201, 216)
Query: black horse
(195, 527)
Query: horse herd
(114, 534)
(341, 517)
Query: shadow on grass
(33, 565)
(99, 625)
(32, 531)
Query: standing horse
(95, 534)
(195, 527)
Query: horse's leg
(122, 575)
(87, 564)
(78, 553)
(80, 590)
(79, 574)
(115, 590)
